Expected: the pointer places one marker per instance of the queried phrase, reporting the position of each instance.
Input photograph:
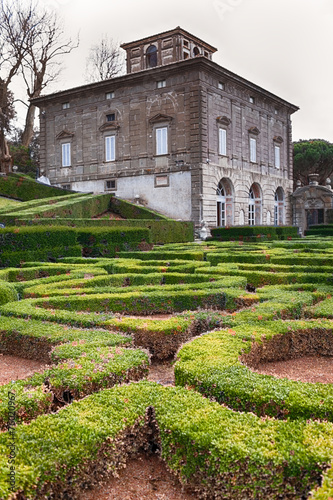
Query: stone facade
(312, 204)
(177, 133)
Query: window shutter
(66, 154)
(223, 142)
(277, 156)
(162, 141)
(110, 154)
(253, 150)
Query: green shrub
(212, 365)
(210, 447)
(131, 211)
(106, 242)
(8, 292)
(43, 255)
(22, 187)
(162, 231)
(254, 233)
(161, 255)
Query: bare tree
(41, 63)
(14, 33)
(31, 43)
(104, 61)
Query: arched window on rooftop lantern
(151, 54)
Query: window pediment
(64, 134)
(278, 139)
(109, 126)
(254, 131)
(224, 120)
(159, 118)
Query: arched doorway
(255, 205)
(279, 207)
(224, 203)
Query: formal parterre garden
(221, 308)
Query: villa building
(178, 133)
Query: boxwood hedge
(212, 365)
(211, 448)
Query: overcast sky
(284, 46)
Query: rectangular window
(222, 141)
(66, 186)
(66, 154)
(65, 105)
(277, 156)
(161, 84)
(251, 99)
(111, 185)
(251, 215)
(253, 150)
(221, 86)
(110, 153)
(162, 141)
(109, 95)
(111, 117)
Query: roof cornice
(199, 63)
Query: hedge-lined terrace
(282, 452)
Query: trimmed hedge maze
(224, 430)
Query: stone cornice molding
(64, 134)
(109, 126)
(254, 131)
(159, 118)
(224, 120)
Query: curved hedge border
(211, 364)
(83, 362)
(8, 292)
(285, 301)
(211, 448)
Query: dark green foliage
(253, 233)
(22, 187)
(320, 230)
(106, 242)
(84, 205)
(38, 243)
(27, 238)
(130, 211)
(312, 156)
(162, 255)
(162, 231)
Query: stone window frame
(253, 140)
(107, 136)
(109, 129)
(161, 121)
(111, 188)
(110, 117)
(277, 143)
(151, 55)
(161, 84)
(65, 138)
(223, 123)
(66, 154)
